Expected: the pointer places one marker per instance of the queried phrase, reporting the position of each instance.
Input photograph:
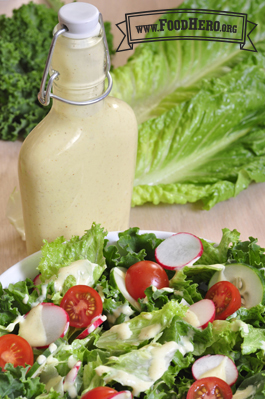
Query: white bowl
(27, 267)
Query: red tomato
(143, 274)
(15, 350)
(99, 393)
(82, 303)
(226, 297)
(210, 388)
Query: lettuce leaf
(14, 384)
(203, 148)
(253, 387)
(161, 74)
(131, 247)
(61, 253)
(140, 329)
(133, 369)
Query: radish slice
(178, 251)
(43, 324)
(70, 378)
(36, 280)
(201, 313)
(219, 366)
(122, 395)
(96, 322)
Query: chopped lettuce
(252, 387)
(139, 369)
(142, 328)
(131, 248)
(125, 355)
(14, 384)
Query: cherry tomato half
(16, 350)
(99, 393)
(210, 388)
(226, 297)
(82, 303)
(143, 274)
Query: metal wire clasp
(45, 95)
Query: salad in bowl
(135, 314)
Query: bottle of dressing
(77, 166)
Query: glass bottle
(77, 165)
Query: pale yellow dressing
(77, 166)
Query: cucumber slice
(247, 281)
(41, 360)
(117, 278)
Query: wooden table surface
(244, 213)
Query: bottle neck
(81, 64)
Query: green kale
(24, 45)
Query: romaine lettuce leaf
(141, 329)
(60, 253)
(93, 359)
(160, 74)
(252, 387)
(139, 369)
(199, 149)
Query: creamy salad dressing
(41, 297)
(149, 332)
(56, 383)
(25, 299)
(72, 361)
(82, 270)
(52, 347)
(147, 316)
(77, 166)
(32, 329)
(122, 330)
(245, 393)
(122, 309)
(160, 358)
(218, 371)
(11, 326)
(41, 359)
(238, 324)
(191, 318)
(69, 384)
(185, 346)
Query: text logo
(186, 24)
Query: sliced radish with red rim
(37, 280)
(179, 250)
(43, 324)
(70, 378)
(96, 322)
(201, 313)
(219, 366)
(122, 395)
(106, 393)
